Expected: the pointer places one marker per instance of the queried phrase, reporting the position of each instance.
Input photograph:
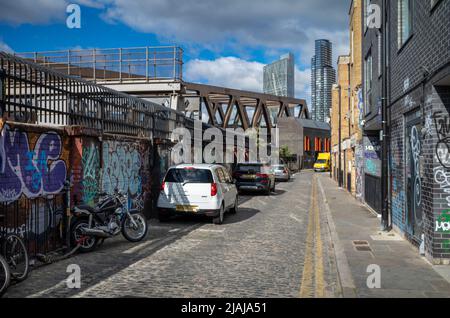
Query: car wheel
(234, 209)
(219, 219)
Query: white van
(197, 189)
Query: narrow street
(268, 249)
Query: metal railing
(116, 64)
(35, 94)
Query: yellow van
(323, 162)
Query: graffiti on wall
(122, 166)
(27, 170)
(372, 155)
(443, 222)
(442, 125)
(91, 172)
(442, 154)
(415, 152)
(359, 160)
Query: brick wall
(411, 93)
(36, 162)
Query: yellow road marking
(313, 283)
(320, 282)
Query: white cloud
(34, 12)
(272, 25)
(5, 47)
(233, 72)
(18, 12)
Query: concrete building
(279, 77)
(323, 76)
(417, 74)
(348, 159)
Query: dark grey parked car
(254, 177)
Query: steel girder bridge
(156, 74)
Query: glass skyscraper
(323, 76)
(279, 78)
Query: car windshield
(189, 176)
(321, 161)
(279, 167)
(249, 168)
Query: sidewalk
(404, 273)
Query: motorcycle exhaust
(95, 232)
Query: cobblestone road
(271, 248)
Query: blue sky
(225, 42)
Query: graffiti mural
(125, 169)
(91, 172)
(372, 155)
(27, 170)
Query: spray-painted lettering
(30, 172)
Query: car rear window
(251, 168)
(189, 175)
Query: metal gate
(372, 192)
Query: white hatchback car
(199, 189)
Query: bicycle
(5, 276)
(14, 261)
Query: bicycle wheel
(5, 276)
(16, 256)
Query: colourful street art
(124, 169)
(27, 170)
(91, 172)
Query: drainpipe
(385, 226)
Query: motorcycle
(111, 216)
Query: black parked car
(254, 177)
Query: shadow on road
(242, 215)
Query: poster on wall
(372, 156)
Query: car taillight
(213, 189)
(163, 186)
(262, 175)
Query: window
(368, 84)
(307, 146)
(189, 175)
(404, 21)
(221, 176)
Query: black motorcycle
(111, 216)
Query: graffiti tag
(31, 172)
(442, 125)
(443, 222)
